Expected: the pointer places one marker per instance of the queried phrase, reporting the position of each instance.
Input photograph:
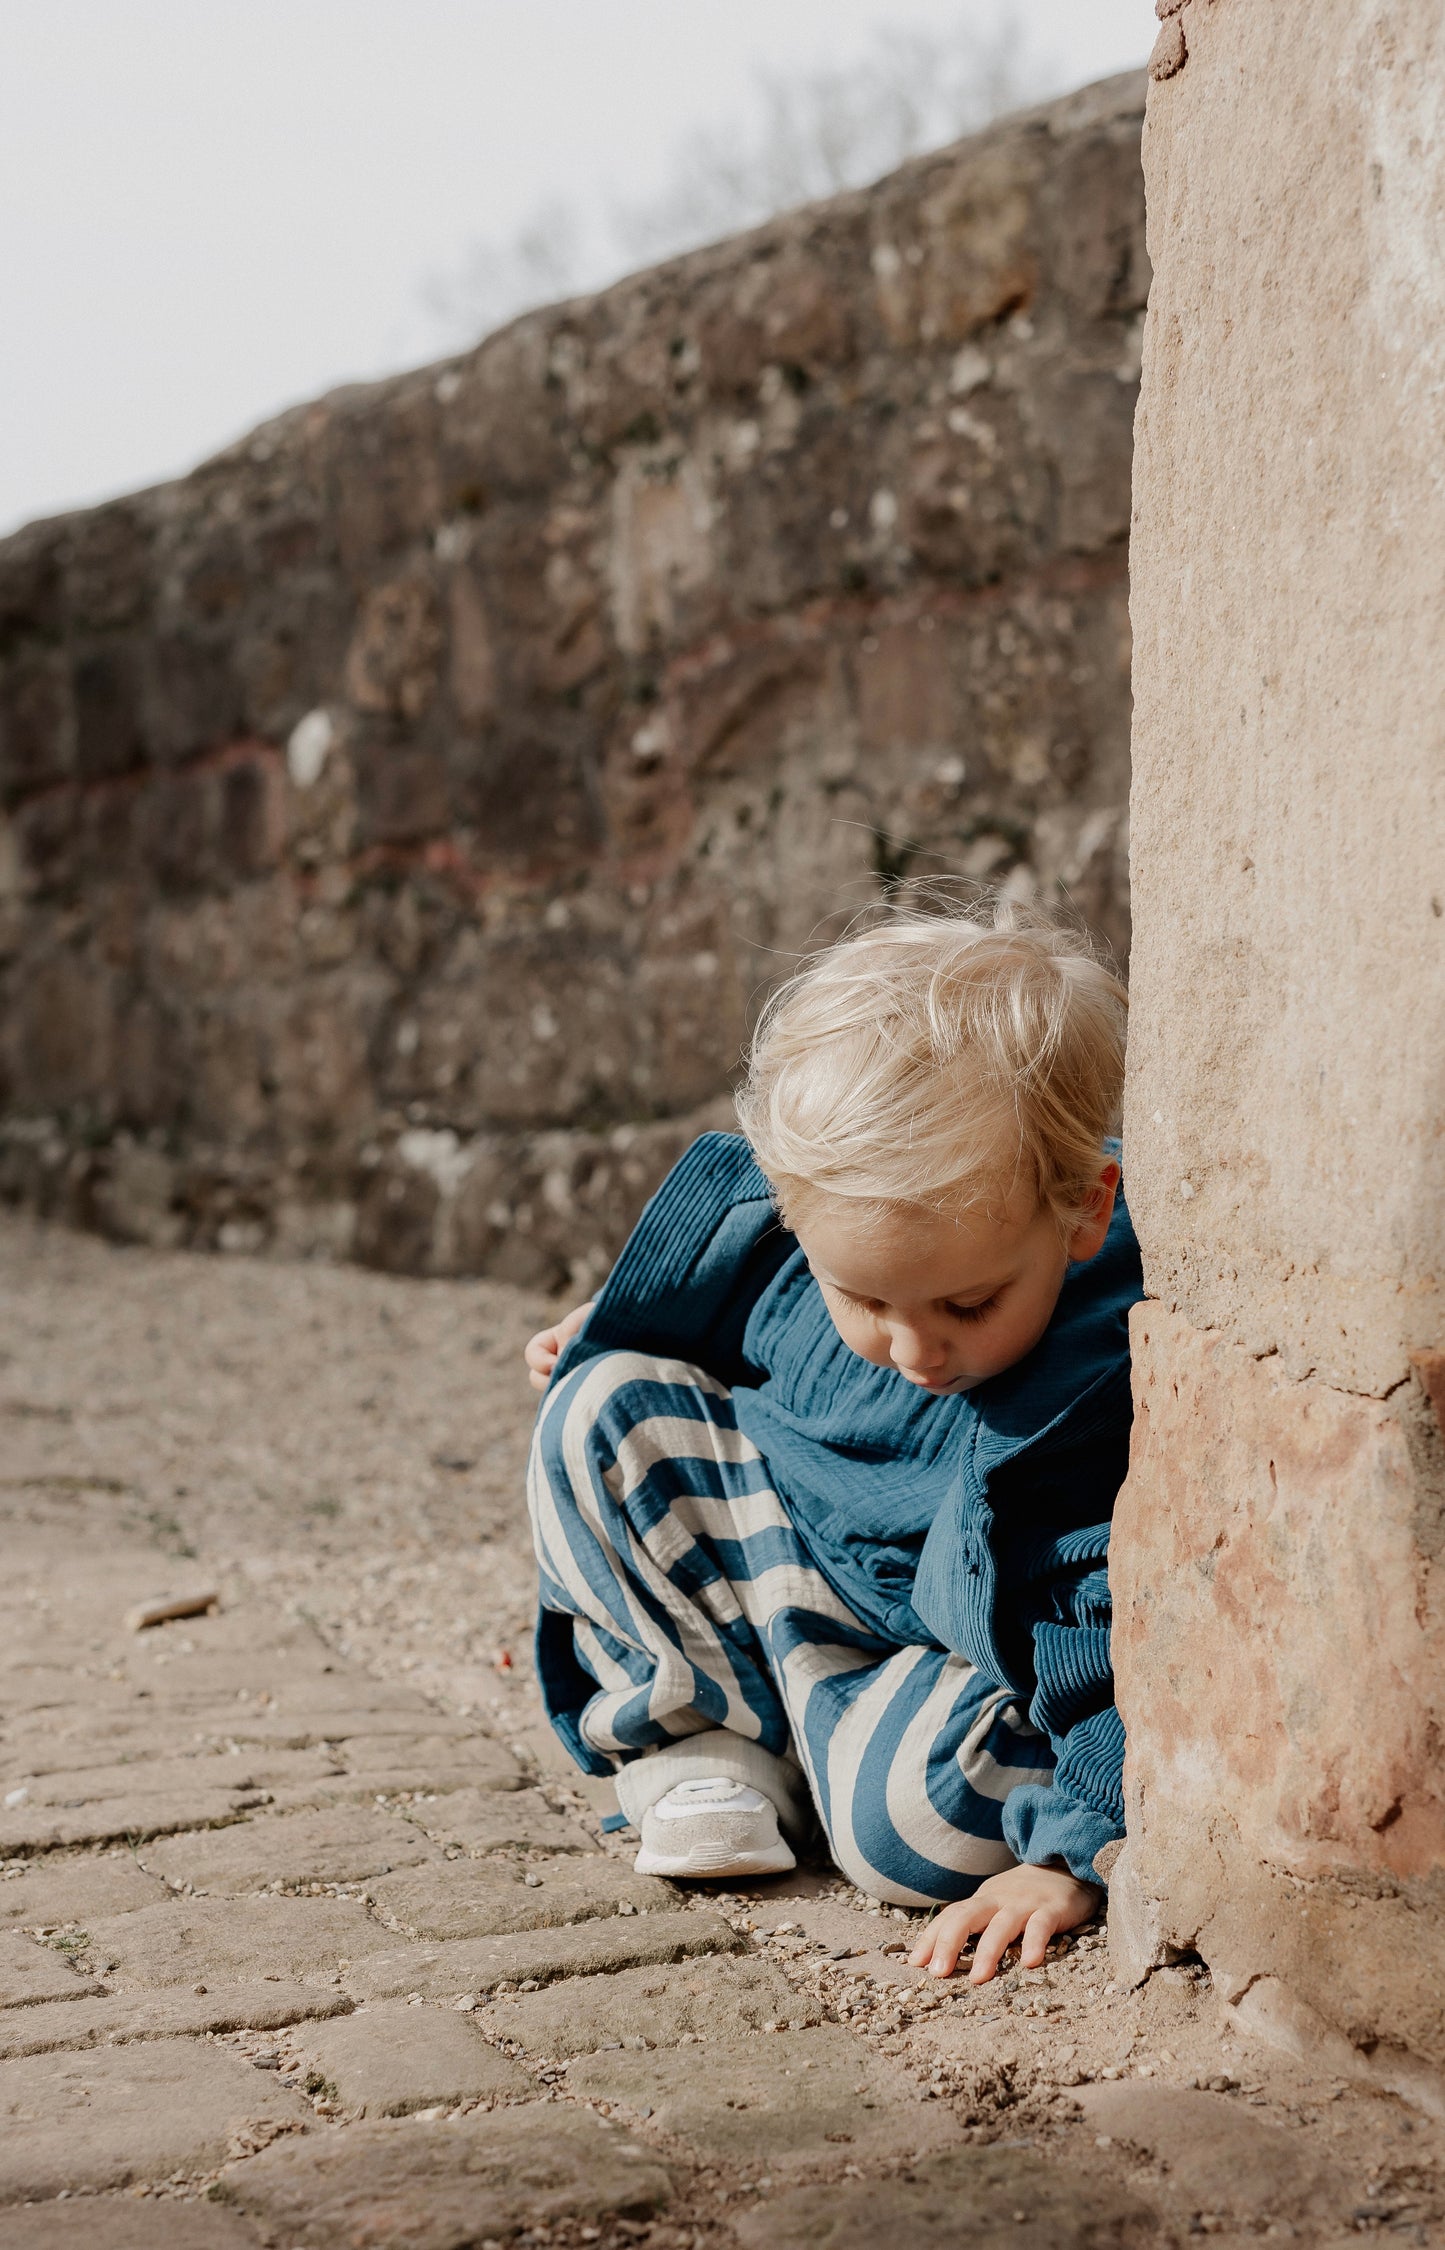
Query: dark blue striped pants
(696, 1606)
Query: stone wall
(1281, 1634)
(404, 812)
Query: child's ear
(1087, 1238)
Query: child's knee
(592, 1445)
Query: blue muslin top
(977, 1522)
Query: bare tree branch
(806, 137)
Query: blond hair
(940, 1060)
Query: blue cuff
(1042, 1823)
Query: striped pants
(717, 1645)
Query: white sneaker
(712, 1827)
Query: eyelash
(959, 1312)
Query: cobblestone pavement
(309, 1938)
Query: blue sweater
(977, 1522)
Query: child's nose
(915, 1352)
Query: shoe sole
(705, 1865)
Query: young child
(821, 1483)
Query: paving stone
(461, 1898)
(46, 1828)
(390, 2059)
(120, 2017)
(275, 1694)
(31, 1972)
(295, 1728)
(486, 1820)
(1219, 2157)
(235, 1941)
(52, 1688)
(120, 2114)
(841, 1927)
(405, 2185)
(344, 1845)
(77, 1786)
(963, 2199)
(368, 1766)
(73, 1742)
(269, 1768)
(208, 1674)
(481, 1762)
(783, 2097)
(689, 1999)
(446, 1971)
(125, 2222)
(240, 1628)
(53, 1893)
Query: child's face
(948, 1302)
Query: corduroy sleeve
(706, 1245)
(1082, 1809)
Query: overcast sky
(209, 211)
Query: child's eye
(975, 1312)
(859, 1304)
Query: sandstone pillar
(1281, 1640)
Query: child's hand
(1034, 1903)
(545, 1348)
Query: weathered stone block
(1218, 2157)
(392, 2058)
(471, 1898)
(445, 1971)
(341, 1846)
(989, 2198)
(487, 1820)
(192, 696)
(74, 1787)
(37, 728)
(1246, 1585)
(110, 735)
(31, 1972)
(787, 2099)
(106, 566)
(232, 1941)
(402, 794)
(300, 1722)
(53, 1893)
(689, 2000)
(143, 1812)
(105, 2119)
(1249, 1608)
(249, 817)
(1094, 201)
(119, 2018)
(103, 2222)
(447, 2186)
(427, 1761)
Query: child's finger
(1038, 1930)
(946, 1938)
(993, 1944)
(928, 1939)
(943, 1951)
